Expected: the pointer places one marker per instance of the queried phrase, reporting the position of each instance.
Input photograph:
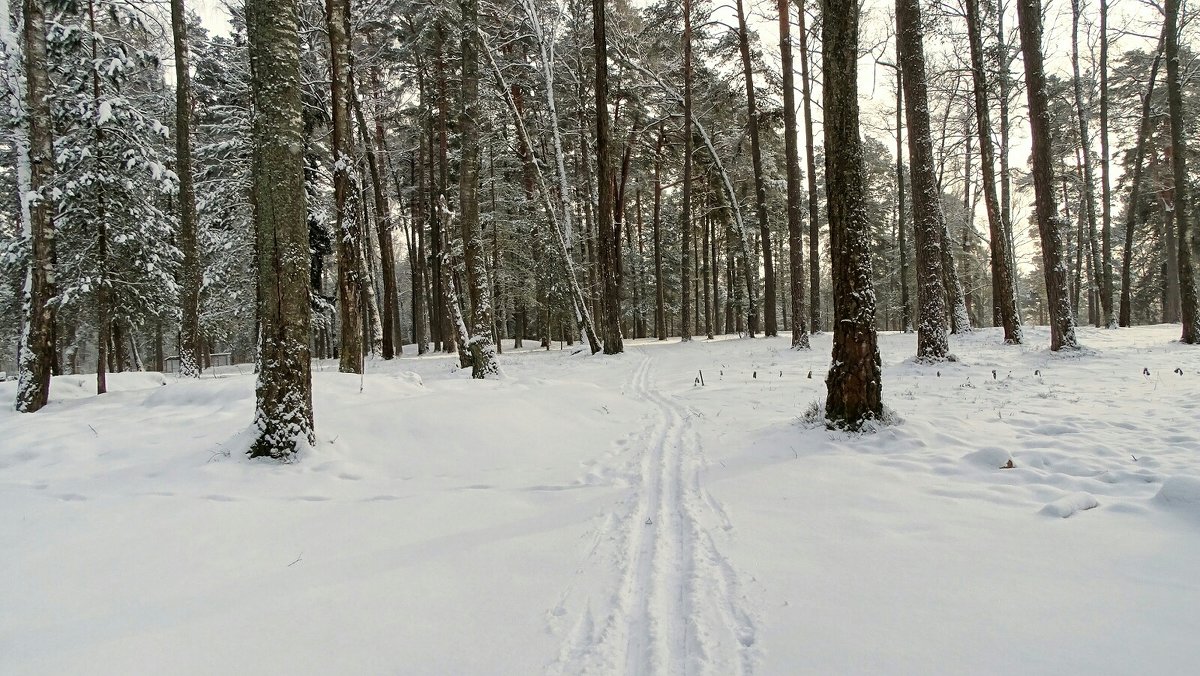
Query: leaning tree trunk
(1003, 286)
(189, 287)
(347, 231)
(1189, 305)
(928, 220)
(1139, 155)
(283, 415)
(795, 220)
(35, 173)
(610, 255)
(1062, 318)
(770, 323)
(854, 382)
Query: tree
(609, 241)
(1189, 302)
(37, 336)
(795, 220)
(854, 381)
(349, 234)
(1062, 318)
(283, 413)
(1003, 284)
(770, 323)
(685, 226)
(1089, 181)
(928, 219)
(481, 347)
(189, 292)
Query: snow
(609, 515)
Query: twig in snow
(296, 561)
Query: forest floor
(610, 515)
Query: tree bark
(36, 354)
(814, 222)
(794, 216)
(928, 220)
(1089, 180)
(1062, 319)
(283, 414)
(609, 251)
(854, 381)
(1003, 286)
(1189, 304)
(189, 288)
(770, 323)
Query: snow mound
(1067, 506)
(1180, 492)
(989, 457)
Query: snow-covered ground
(609, 515)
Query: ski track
(678, 608)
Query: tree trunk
(794, 216)
(1062, 319)
(1139, 155)
(1003, 288)
(36, 354)
(906, 324)
(854, 381)
(814, 222)
(610, 261)
(283, 415)
(347, 230)
(928, 220)
(1105, 176)
(1089, 180)
(770, 323)
(685, 261)
(189, 287)
(1188, 302)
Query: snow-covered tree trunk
(854, 382)
(347, 232)
(283, 415)
(928, 220)
(189, 287)
(482, 347)
(34, 172)
(1062, 318)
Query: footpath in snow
(1031, 513)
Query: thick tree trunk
(1003, 286)
(928, 220)
(794, 217)
(347, 229)
(1189, 304)
(854, 381)
(189, 287)
(610, 254)
(36, 354)
(283, 415)
(482, 347)
(1062, 319)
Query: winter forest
(608, 337)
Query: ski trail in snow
(678, 609)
